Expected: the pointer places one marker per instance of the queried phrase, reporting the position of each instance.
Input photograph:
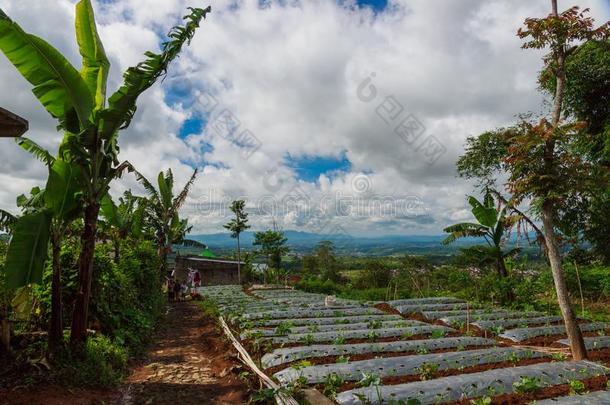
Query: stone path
(190, 363)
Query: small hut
(212, 271)
(11, 125)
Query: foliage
(104, 364)
(377, 274)
(272, 245)
(162, 211)
(88, 154)
(237, 225)
(527, 384)
(492, 226)
(322, 263)
(331, 385)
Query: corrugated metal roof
(204, 259)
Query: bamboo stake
(280, 398)
(582, 299)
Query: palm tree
(237, 225)
(491, 226)
(90, 122)
(162, 211)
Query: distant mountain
(305, 241)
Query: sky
(334, 117)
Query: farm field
(436, 350)
(304, 202)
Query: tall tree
(162, 212)
(91, 126)
(272, 245)
(542, 164)
(587, 98)
(237, 225)
(546, 182)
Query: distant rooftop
(11, 125)
(205, 259)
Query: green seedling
(343, 359)
(372, 336)
(331, 384)
(428, 371)
(527, 384)
(437, 334)
(308, 339)
(339, 340)
(376, 324)
(577, 387)
(368, 379)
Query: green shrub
(104, 364)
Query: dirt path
(190, 363)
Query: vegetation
(237, 225)
(162, 212)
(273, 246)
(104, 271)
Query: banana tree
(91, 123)
(492, 225)
(162, 212)
(122, 220)
(57, 206)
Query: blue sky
(309, 168)
(377, 5)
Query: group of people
(176, 290)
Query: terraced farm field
(437, 350)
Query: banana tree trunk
(56, 326)
(577, 344)
(162, 253)
(78, 336)
(503, 273)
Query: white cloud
(290, 74)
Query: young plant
(372, 336)
(437, 334)
(577, 387)
(284, 328)
(308, 339)
(422, 350)
(428, 371)
(481, 401)
(264, 396)
(558, 356)
(301, 364)
(369, 379)
(514, 358)
(339, 340)
(527, 384)
(374, 324)
(331, 385)
(342, 359)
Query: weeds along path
(190, 363)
